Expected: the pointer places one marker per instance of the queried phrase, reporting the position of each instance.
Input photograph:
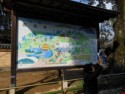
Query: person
(103, 56)
(110, 53)
(91, 72)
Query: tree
(119, 27)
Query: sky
(83, 1)
(108, 5)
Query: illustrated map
(43, 44)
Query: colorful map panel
(43, 44)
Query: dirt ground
(31, 78)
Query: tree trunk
(119, 56)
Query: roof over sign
(63, 10)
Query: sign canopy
(62, 11)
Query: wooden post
(13, 51)
(64, 83)
(59, 74)
(12, 91)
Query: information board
(43, 44)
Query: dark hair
(88, 68)
(108, 51)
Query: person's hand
(100, 61)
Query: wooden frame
(14, 16)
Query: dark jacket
(90, 80)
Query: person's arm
(97, 68)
